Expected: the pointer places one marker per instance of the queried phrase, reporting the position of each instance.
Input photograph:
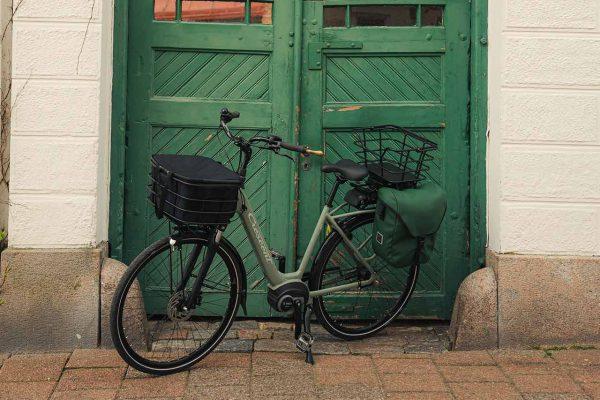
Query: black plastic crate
(193, 190)
(395, 156)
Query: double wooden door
(360, 63)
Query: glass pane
(261, 13)
(164, 10)
(213, 11)
(334, 16)
(432, 15)
(383, 16)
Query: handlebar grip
(293, 147)
(227, 116)
(301, 149)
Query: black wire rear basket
(395, 157)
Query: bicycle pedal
(304, 342)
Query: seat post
(339, 181)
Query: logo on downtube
(258, 234)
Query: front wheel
(151, 327)
(360, 312)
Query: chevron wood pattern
(214, 75)
(390, 78)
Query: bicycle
(199, 279)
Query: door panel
(411, 76)
(360, 79)
(180, 75)
(194, 75)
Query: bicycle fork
(211, 251)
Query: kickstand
(304, 338)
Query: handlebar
(273, 142)
(291, 147)
(304, 150)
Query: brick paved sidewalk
(100, 374)
(374, 369)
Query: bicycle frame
(263, 253)
(259, 244)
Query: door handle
(316, 50)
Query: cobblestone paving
(249, 335)
(258, 361)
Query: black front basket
(193, 190)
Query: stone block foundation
(50, 299)
(541, 301)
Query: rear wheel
(361, 312)
(154, 332)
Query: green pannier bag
(406, 220)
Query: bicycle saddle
(347, 169)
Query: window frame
(178, 17)
(348, 4)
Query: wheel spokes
(157, 327)
(362, 308)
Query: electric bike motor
(282, 299)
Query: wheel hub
(176, 310)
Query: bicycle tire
(141, 362)
(324, 305)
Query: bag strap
(381, 210)
(420, 246)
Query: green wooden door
(364, 62)
(187, 60)
(392, 62)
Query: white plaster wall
(5, 68)
(62, 57)
(544, 118)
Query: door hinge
(316, 50)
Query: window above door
(389, 15)
(213, 11)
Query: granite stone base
(541, 301)
(50, 298)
